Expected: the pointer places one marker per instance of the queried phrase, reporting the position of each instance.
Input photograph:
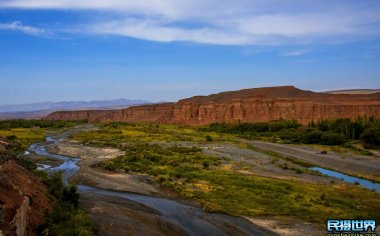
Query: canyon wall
(250, 105)
(23, 200)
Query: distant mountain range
(37, 110)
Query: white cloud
(295, 53)
(155, 31)
(18, 26)
(239, 22)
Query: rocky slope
(248, 105)
(23, 198)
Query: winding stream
(193, 220)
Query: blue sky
(166, 50)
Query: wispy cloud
(295, 53)
(155, 30)
(240, 22)
(18, 26)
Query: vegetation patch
(66, 218)
(325, 132)
(25, 132)
(222, 189)
(117, 134)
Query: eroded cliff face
(250, 105)
(23, 200)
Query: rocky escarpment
(249, 105)
(23, 200)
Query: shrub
(291, 136)
(11, 137)
(161, 179)
(70, 195)
(371, 137)
(312, 137)
(27, 164)
(329, 138)
(206, 164)
(260, 127)
(66, 217)
(208, 138)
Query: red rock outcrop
(23, 200)
(248, 105)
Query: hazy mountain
(36, 110)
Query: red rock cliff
(248, 105)
(23, 200)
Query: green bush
(205, 164)
(291, 136)
(161, 161)
(11, 137)
(27, 164)
(371, 137)
(208, 138)
(9, 124)
(312, 137)
(258, 127)
(329, 138)
(66, 217)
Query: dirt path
(358, 165)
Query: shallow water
(349, 179)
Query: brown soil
(115, 216)
(23, 200)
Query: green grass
(116, 134)
(26, 132)
(156, 160)
(258, 196)
(25, 136)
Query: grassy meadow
(24, 136)
(117, 134)
(25, 132)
